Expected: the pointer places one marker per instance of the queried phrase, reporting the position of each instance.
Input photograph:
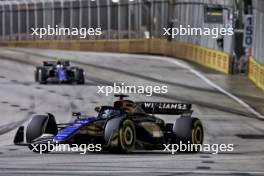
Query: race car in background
(119, 128)
(58, 72)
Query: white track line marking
(209, 82)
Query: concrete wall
(191, 12)
(207, 57)
(258, 41)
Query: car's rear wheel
(79, 76)
(197, 131)
(189, 131)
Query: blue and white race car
(58, 72)
(119, 128)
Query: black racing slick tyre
(42, 75)
(189, 131)
(36, 75)
(39, 125)
(126, 136)
(79, 76)
(197, 131)
(36, 127)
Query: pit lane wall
(256, 72)
(207, 57)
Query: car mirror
(97, 108)
(76, 114)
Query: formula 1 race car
(118, 128)
(58, 72)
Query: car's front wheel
(42, 75)
(126, 137)
(39, 125)
(36, 75)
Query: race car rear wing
(165, 107)
(52, 63)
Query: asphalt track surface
(224, 119)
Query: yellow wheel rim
(197, 135)
(128, 136)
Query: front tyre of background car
(42, 75)
(36, 75)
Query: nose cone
(74, 127)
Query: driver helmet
(59, 63)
